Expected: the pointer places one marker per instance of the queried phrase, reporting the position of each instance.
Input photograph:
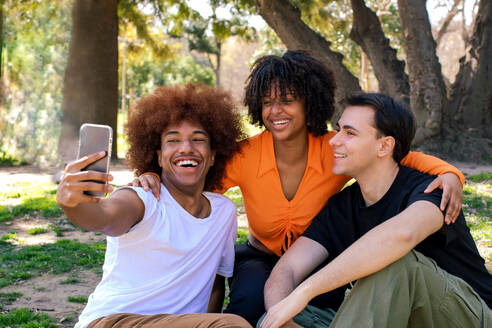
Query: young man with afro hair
(166, 259)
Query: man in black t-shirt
(384, 232)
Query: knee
(406, 263)
(401, 268)
(231, 321)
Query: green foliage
(242, 235)
(7, 159)
(21, 263)
(36, 35)
(206, 33)
(24, 318)
(146, 73)
(77, 299)
(235, 195)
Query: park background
(67, 62)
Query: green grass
(481, 177)
(24, 318)
(477, 207)
(21, 263)
(9, 236)
(37, 231)
(77, 299)
(70, 281)
(44, 206)
(8, 298)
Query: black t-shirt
(345, 218)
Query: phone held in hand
(95, 138)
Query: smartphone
(93, 139)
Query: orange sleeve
(232, 174)
(430, 164)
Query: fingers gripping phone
(93, 139)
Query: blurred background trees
(67, 62)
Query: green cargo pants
(412, 292)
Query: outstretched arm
(383, 245)
(113, 216)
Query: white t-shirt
(167, 262)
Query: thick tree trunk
(368, 34)
(286, 21)
(91, 79)
(471, 94)
(427, 89)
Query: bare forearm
(280, 284)
(216, 301)
(377, 249)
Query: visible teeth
(340, 156)
(187, 163)
(280, 122)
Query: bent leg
(412, 292)
(191, 320)
(251, 271)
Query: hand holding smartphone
(93, 139)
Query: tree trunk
(471, 94)
(90, 91)
(2, 87)
(286, 21)
(217, 68)
(368, 34)
(427, 90)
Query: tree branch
(368, 34)
(286, 21)
(447, 20)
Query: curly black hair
(298, 74)
(212, 108)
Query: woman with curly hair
(166, 260)
(285, 173)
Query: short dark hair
(391, 119)
(299, 74)
(212, 108)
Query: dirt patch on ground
(48, 294)
(20, 226)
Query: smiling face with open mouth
(185, 156)
(285, 116)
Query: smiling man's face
(356, 144)
(185, 156)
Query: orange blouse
(277, 222)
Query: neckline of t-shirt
(185, 213)
(382, 202)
